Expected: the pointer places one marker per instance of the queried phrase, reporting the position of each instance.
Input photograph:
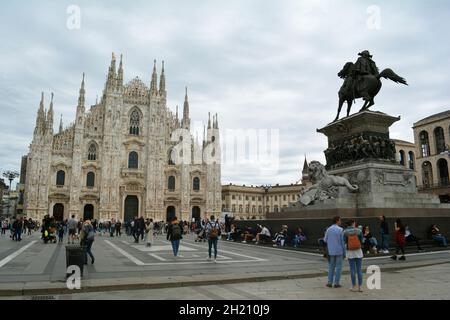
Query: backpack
(353, 242)
(214, 233)
(176, 231)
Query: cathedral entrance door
(196, 214)
(170, 213)
(58, 212)
(131, 208)
(88, 212)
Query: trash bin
(74, 256)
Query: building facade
(405, 153)
(129, 155)
(432, 141)
(253, 202)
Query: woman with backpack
(212, 229)
(174, 235)
(353, 240)
(399, 239)
(87, 239)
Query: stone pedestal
(360, 150)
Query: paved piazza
(32, 263)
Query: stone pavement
(432, 282)
(33, 268)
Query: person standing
(87, 239)
(135, 229)
(18, 229)
(5, 224)
(174, 235)
(212, 234)
(336, 250)
(399, 240)
(60, 231)
(149, 232)
(353, 239)
(118, 228)
(72, 226)
(384, 230)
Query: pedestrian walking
(212, 234)
(384, 230)
(87, 236)
(399, 240)
(353, 239)
(336, 250)
(118, 228)
(149, 232)
(5, 225)
(135, 228)
(174, 235)
(60, 232)
(72, 225)
(18, 229)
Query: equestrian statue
(362, 80)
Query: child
(60, 232)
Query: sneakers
(385, 251)
(337, 286)
(215, 260)
(402, 258)
(209, 259)
(394, 257)
(329, 285)
(244, 241)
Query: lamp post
(10, 175)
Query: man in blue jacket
(336, 250)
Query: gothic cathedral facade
(129, 155)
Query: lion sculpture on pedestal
(325, 186)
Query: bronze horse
(371, 83)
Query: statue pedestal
(360, 150)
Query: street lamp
(10, 175)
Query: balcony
(443, 183)
(132, 173)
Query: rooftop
(432, 118)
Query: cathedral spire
(153, 84)
(40, 118)
(81, 97)
(162, 81)
(305, 174)
(110, 82)
(186, 122)
(120, 74)
(50, 115)
(60, 125)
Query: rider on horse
(363, 66)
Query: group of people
(349, 243)
(261, 234)
(18, 227)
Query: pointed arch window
(134, 122)
(92, 152)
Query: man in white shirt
(263, 235)
(72, 225)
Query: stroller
(49, 235)
(201, 235)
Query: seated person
(437, 236)
(369, 241)
(231, 233)
(280, 237)
(409, 237)
(263, 236)
(299, 236)
(248, 234)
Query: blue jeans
(440, 238)
(335, 264)
(175, 247)
(384, 242)
(87, 250)
(212, 242)
(355, 269)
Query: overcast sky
(258, 64)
